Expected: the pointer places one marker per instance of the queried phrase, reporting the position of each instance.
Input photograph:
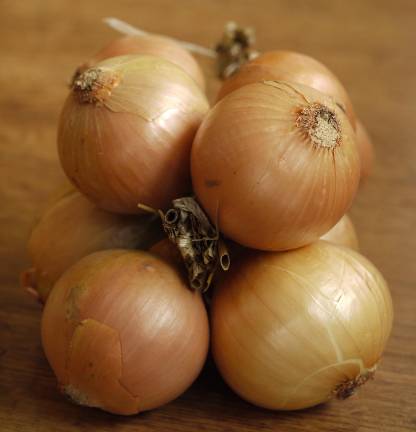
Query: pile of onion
(271, 170)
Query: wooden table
(369, 44)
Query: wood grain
(369, 44)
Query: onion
(71, 228)
(123, 333)
(291, 330)
(275, 165)
(365, 148)
(154, 45)
(293, 67)
(343, 233)
(126, 131)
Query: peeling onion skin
(262, 178)
(291, 330)
(154, 45)
(366, 150)
(71, 228)
(122, 332)
(343, 234)
(293, 67)
(126, 131)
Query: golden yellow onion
(122, 332)
(275, 165)
(71, 228)
(126, 131)
(343, 234)
(154, 45)
(366, 150)
(291, 330)
(293, 67)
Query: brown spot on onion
(212, 183)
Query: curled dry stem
(201, 247)
(234, 49)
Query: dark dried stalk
(234, 49)
(202, 249)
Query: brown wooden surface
(369, 44)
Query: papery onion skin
(71, 228)
(366, 150)
(265, 177)
(292, 67)
(343, 234)
(291, 330)
(123, 332)
(154, 45)
(126, 130)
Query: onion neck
(202, 249)
(320, 125)
(349, 387)
(95, 85)
(234, 49)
